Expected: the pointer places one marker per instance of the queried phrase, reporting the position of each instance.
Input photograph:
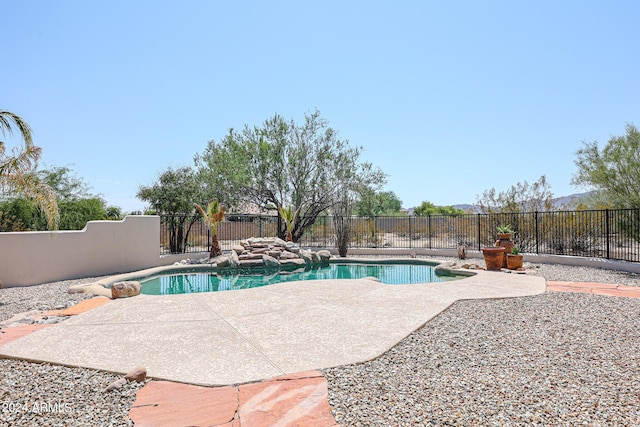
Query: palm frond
(32, 187)
(7, 118)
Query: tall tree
(174, 195)
(284, 164)
(65, 183)
(613, 171)
(378, 203)
(17, 171)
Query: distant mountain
(559, 203)
(468, 208)
(569, 202)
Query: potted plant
(514, 259)
(504, 239)
(504, 231)
(493, 257)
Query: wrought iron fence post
(429, 228)
(410, 233)
(259, 225)
(324, 228)
(535, 215)
(479, 243)
(607, 229)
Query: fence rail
(611, 234)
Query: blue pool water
(391, 274)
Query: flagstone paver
(294, 400)
(81, 307)
(286, 401)
(165, 403)
(595, 288)
(13, 333)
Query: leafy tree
(212, 217)
(508, 205)
(173, 196)
(427, 208)
(76, 206)
(522, 197)
(114, 212)
(353, 186)
(18, 215)
(65, 183)
(75, 213)
(17, 174)
(613, 171)
(174, 193)
(284, 164)
(378, 203)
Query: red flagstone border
(290, 400)
(595, 288)
(14, 332)
(79, 308)
(9, 334)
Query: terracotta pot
(514, 262)
(493, 257)
(504, 240)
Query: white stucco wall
(103, 247)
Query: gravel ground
(40, 394)
(558, 359)
(554, 359)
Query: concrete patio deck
(247, 335)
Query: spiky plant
(289, 217)
(213, 215)
(17, 170)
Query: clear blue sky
(449, 98)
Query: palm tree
(289, 218)
(17, 171)
(212, 217)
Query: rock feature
(324, 255)
(125, 289)
(266, 252)
(444, 269)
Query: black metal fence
(611, 234)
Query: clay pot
(493, 257)
(514, 262)
(504, 240)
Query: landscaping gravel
(554, 359)
(561, 359)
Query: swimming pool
(213, 281)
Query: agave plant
(213, 215)
(289, 217)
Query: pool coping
(106, 282)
